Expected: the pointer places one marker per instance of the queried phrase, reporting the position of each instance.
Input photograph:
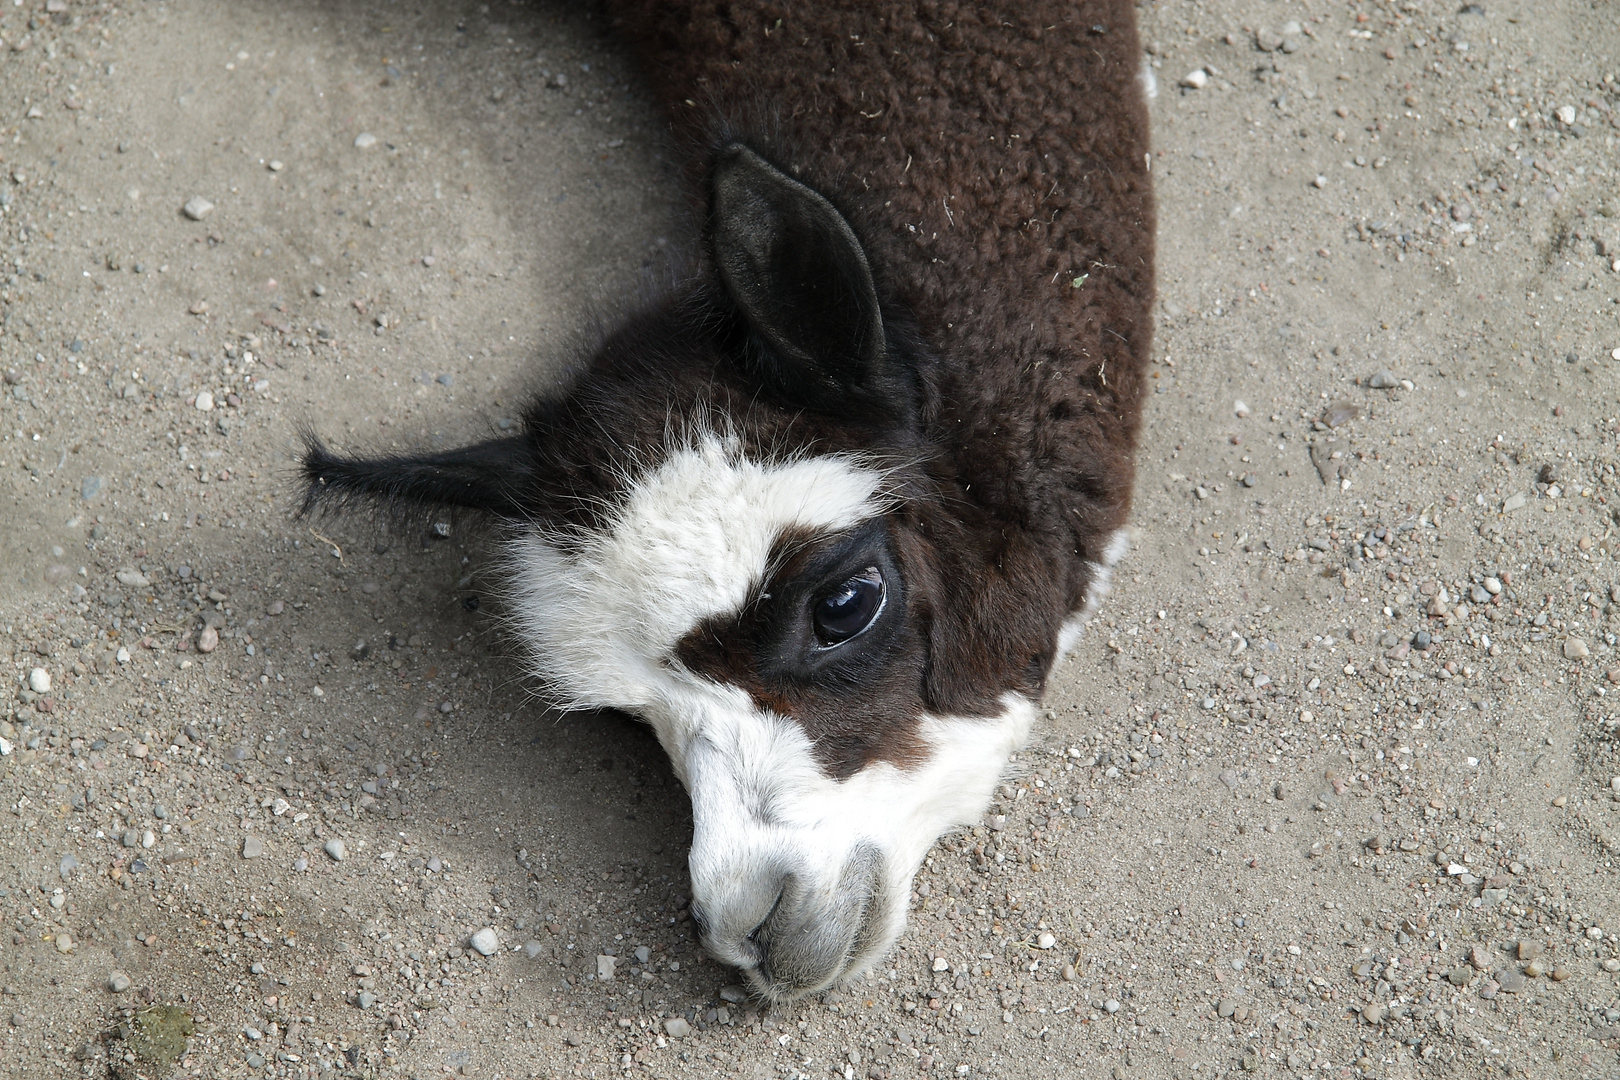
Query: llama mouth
(793, 951)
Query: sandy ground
(1326, 792)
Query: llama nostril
(753, 936)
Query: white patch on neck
(1102, 579)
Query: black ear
(798, 275)
(488, 476)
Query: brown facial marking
(858, 704)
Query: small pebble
(434, 865)
(275, 165)
(643, 954)
(208, 640)
(1111, 1006)
(118, 982)
(205, 401)
(677, 1028)
(64, 943)
(486, 941)
(1384, 380)
(365, 141)
(1611, 965)
(337, 849)
(252, 847)
(365, 999)
(39, 681)
(1372, 1013)
(1045, 941)
(300, 864)
(1576, 649)
(605, 966)
(198, 208)
(941, 964)
(733, 993)
(532, 949)
(1196, 79)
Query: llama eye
(850, 608)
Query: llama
(827, 515)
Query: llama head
(731, 528)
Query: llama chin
(827, 515)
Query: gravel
(1427, 732)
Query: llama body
(827, 516)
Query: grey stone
(337, 849)
(532, 949)
(1511, 981)
(677, 1028)
(90, 487)
(252, 847)
(1384, 380)
(118, 982)
(485, 942)
(734, 994)
(198, 208)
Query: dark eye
(850, 608)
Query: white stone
(1046, 941)
(337, 849)
(39, 681)
(118, 982)
(1240, 408)
(485, 942)
(941, 964)
(677, 1028)
(198, 208)
(148, 839)
(605, 967)
(133, 578)
(365, 141)
(1566, 113)
(205, 401)
(1196, 79)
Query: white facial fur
(602, 615)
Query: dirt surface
(1326, 791)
